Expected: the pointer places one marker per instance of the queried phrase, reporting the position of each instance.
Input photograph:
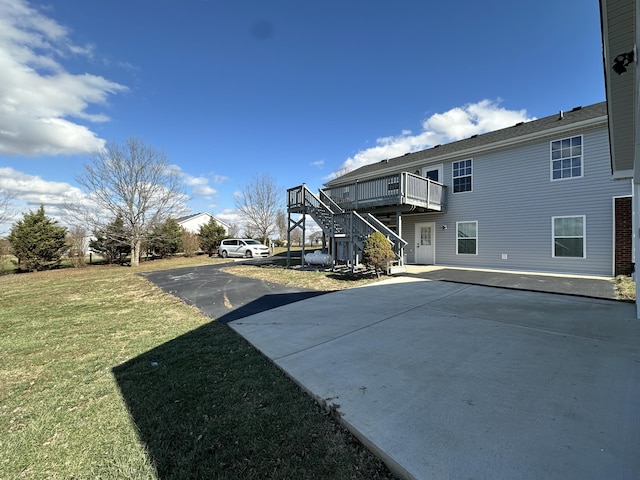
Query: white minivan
(242, 247)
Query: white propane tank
(318, 258)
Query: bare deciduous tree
(136, 182)
(259, 204)
(341, 171)
(7, 213)
(77, 242)
(281, 224)
(296, 236)
(234, 230)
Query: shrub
(190, 243)
(76, 242)
(377, 252)
(5, 256)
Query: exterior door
(425, 243)
(433, 172)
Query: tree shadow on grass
(208, 405)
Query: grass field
(105, 376)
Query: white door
(425, 243)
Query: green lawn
(105, 376)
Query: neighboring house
(537, 196)
(620, 21)
(192, 223)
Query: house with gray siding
(537, 196)
(620, 40)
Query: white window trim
(584, 237)
(440, 168)
(476, 238)
(551, 159)
(454, 177)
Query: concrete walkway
(578, 285)
(449, 380)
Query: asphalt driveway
(223, 296)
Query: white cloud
(30, 191)
(193, 181)
(26, 186)
(37, 96)
(218, 179)
(204, 190)
(199, 185)
(319, 163)
(452, 125)
(230, 217)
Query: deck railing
(339, 225)
(403, 188)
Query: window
(569, 236)
(467, 235)
(566, 158)
(462, 172)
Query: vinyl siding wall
(513, 200)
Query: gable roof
(186, 218)
(520, 132)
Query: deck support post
(399, 232)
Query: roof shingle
(486, 140)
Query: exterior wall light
(622, 61)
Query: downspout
(399, 232)
(304, 229)
(356, 195)
(635, 209)
(288, 238)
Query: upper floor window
(462, 173)
(566, 158)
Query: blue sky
(295, 89)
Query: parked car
(242, 247)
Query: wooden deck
(399, 189)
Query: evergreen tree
(211, 234)
(377, 252)
(38, 241)
(111, 242)
(166, 238)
